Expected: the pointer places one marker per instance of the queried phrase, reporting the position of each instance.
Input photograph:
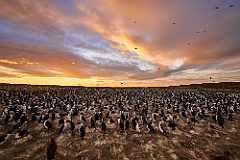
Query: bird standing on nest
(51, 149)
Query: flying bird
(216, 8)
(231, 6)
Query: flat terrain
(195, 141)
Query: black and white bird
(7, 118)
(61, 121)
(21, 134)
(40, 118)
(110, 120)
(51, 149)
(82, 118)
(82, 131)
(46, 117)
(3, 138)
(162, 130)
(23, 118)
(138, 129)
(72, 126)
(47, 125)
(150, 128)
(212, 126)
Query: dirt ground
(203, 143)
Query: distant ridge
(224, 85)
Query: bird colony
(118, 123)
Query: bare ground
(183, 143)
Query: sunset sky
(119, 42)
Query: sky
(119, 43)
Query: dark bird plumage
(92, 123)
(23, 118)
(162, 130)
(82, 131)
(121, 125)
(127, 124)
(33, 117)
(53, 116)
(103, 126)
(51, 149)
(72, 126)
(17, 126)
(22, 134)
(225, 156)
(47, 125)
(150, 128)
(230, 118)
(220, 120)
(172, 125)
(61, 121)
(110, 121)
(213, 127)
(3, 138)
(82, 118)
(46, 117)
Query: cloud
(118, 40)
